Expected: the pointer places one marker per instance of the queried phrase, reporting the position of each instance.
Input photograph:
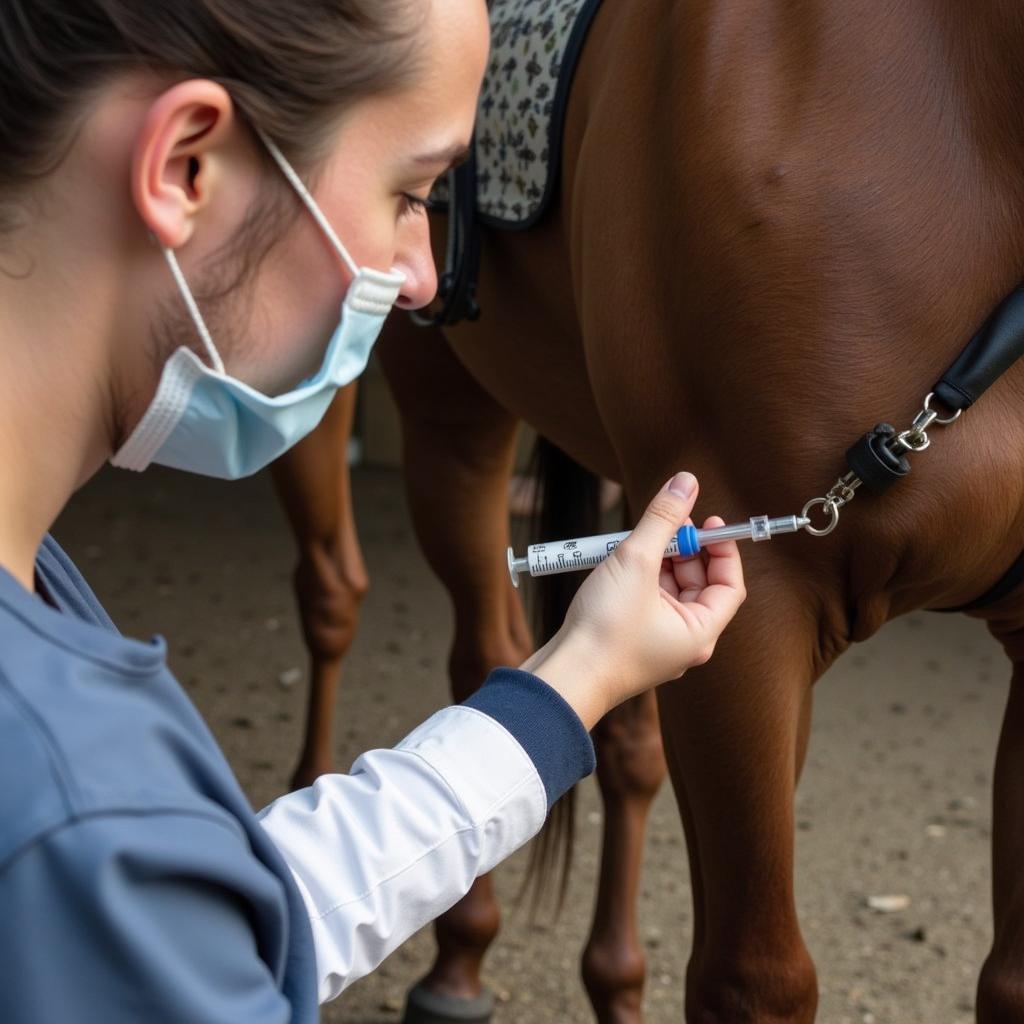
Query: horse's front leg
(312, 480)
(458, 451)
(735, 735)
(630, 771)
(1001, 985)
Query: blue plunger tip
(688, 543)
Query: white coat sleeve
(384, 850)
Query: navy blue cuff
(545, 726)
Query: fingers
(724, 563)
(690, 576)
(668, 510)
(725, 591)
(667, 581)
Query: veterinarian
(170, 294)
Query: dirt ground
(894, 800)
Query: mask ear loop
(197, 318)
(310, 203)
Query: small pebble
(289, 677)
(888, 904)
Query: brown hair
(291, 66)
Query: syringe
(587, 552)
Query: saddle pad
(535, 45)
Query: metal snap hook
(914, 440)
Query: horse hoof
(425, 1007)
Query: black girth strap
(990, 353)
(1007, 583)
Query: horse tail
(568, 504)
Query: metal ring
(938, 419)
(833, 510)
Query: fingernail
(683, 484)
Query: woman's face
(384, 159)
(391, 149)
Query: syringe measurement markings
(546, 567)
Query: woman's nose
(417, 263)
(417, 292)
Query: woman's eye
(413, 205)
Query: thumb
(668, 510)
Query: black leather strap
(989, 354)
(1008, 582)
(457, 287)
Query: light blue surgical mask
(205, 421)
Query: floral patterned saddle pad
(535, 45)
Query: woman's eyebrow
(447, 158)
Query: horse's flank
(818, 205)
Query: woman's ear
(175, 157)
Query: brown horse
(778, 223)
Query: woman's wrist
(566, 664)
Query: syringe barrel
(565, 555)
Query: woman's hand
(640, 619)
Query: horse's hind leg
(459, 447)
(312, 480)
(630, 770)
(1001, 985)
(630, 766)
